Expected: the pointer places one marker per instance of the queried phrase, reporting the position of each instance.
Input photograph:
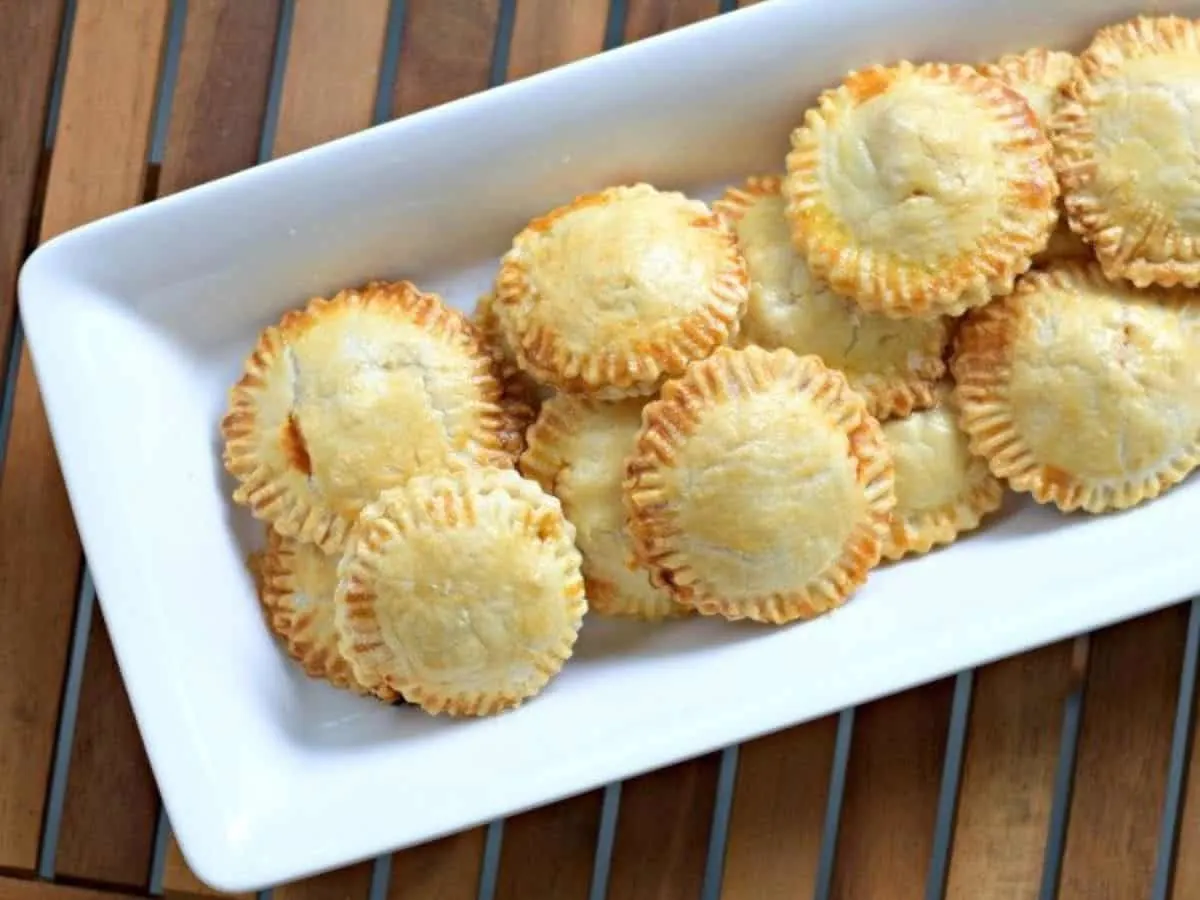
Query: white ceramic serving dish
(139, 323)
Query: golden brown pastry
(1039, 75)
(577, 451)
(942, 489)
(1124, 138)
(353, 395)
(894, 363)
(297, 586)
(759, 487)
(616, 290)
(1081, 391)
(920, 190)
(521, 396)
(461, 592)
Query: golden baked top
(618, 289)
(942, 489)
(919, 190)
(759, 487)
(353, 395)
(1083, 391)
(577, 451)
(893, 363)
(1125, 150)
(461, 592)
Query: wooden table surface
(1062, 772)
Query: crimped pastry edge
(604, 374)
(887, 396)
(899, 289)
(442, 501)
(543, 461)
(1119, 250)
(982, 366)
(272, 496)
(667, 424)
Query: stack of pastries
(964, 279)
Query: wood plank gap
(943, 831)
(64, 738)
(614, 25)
(158, 860)
(389, 67)
(833, 805)
(502, 46)
(1064, 778)
(490, 868)
(610, 808)
(718, 837)
(279, 61)
(1181, 740)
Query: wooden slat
(885, 839)
(1186, 881)
(19, 889)
(447, 869)
(647, 17)
(332, 73)
(548, 852)
(447, 52)
(27, 49)
(350, 883)
(778, 812)
(179, 882)
(550, 33)
(1121, 767)
(662, 832)
(1009, 763)
(216, 118)
(97, 168)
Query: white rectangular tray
(139, 323)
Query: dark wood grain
(569, 829)
(662, 832)
(1121, 767)
(97, 168)
(648, 17)
(447, 52)
(885, 839)
(1009, 765)
(778, 813)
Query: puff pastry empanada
(1124, 141)
(942, 489)
(577, 451)
(619, 289)
(920, 190)
(893, 363)
(353, 395)
(1081, 391)
(297, 582)
(759, 487)
(461, 592)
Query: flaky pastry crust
(353, 395)
(920, 190)
(619, 289)
(577, 451)
(296, 583)
(1125, 154)
(894, 363)
(759, 487)
(520, 395)
(942, 489)
(1082, 391)
(461, 592)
